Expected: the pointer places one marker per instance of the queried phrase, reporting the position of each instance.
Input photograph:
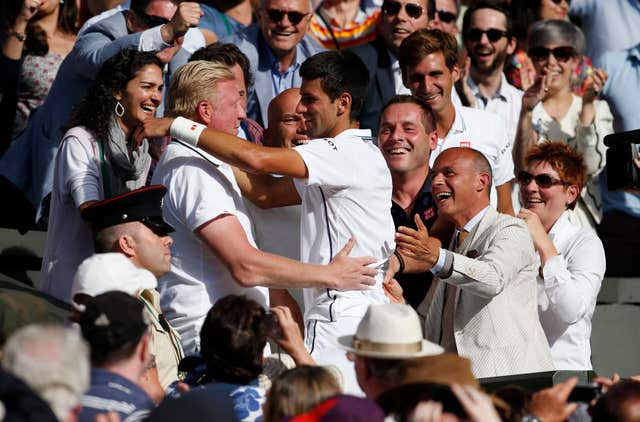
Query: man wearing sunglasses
(398, 20)
(488, 40)
(446, 16)
(276, 47)
(429, 63)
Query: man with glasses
(429, 63)
(398, 20)
(486, 31)
(446, 16)
(276, 47)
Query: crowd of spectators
(292, 210)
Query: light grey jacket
(496, 321)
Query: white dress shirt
(567, 293)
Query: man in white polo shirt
(342, 181)
(213, 253)
(428, 59)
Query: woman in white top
(98, 158)
(572, 261)
(550, 111)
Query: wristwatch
(19, 36)
(531, 418)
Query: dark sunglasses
(276, 16)
(392, 8)
(543, 180)
(560, 1)
(446, 17)
(493, 35)
(152, 20)
(562, 54)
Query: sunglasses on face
(276, 16)
(560, 1)
(562, 54)
(392, 8)
(446, 17)
(493, 35)
(543, 180)
(152, 21)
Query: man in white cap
(385, 345)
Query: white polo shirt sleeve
(201, 193)
(79, 170)
(504, 168)
(328, 163)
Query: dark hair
(95, 109)
(428, 118)
(340, 71)
(232, 339)
(228, 54)
(498, 6)
(423, 42)
(567, 162)
(613, 406)
(36, 42)
(139, 6)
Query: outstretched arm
(228, 148)
(267, 191)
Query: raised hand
(536, 92)
(352, 273)
(418, 244)
(186, 16)
(594, 84)
(550, 404)
(291, 339)
(153, 127)
(477, 404)
(28, 11)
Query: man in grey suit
(150, 25)
(276, 47)
(398, 20)
(482, 303)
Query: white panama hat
(389, 331)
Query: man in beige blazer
(482, 303)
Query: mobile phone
(273, 327)
(585, 393)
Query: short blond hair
(194, 82)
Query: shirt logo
(330, 142)
(465, 144)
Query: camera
(273, 327)
(585, 393)
(622, 172)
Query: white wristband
(186, 130)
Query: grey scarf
(129, 165)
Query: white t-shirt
(77, 179)
(347, 194)
(487, 133)
(200, 188)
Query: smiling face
(286, 126)
(450, 13)
(549, 9)
(320, 114)
(405, 143)
(283, 36)
(432, 80)
(486, 56)
(548, 203)
(242, 86)
(459, 188)
(226, 111)
(560, 71)
(397, 27)
(141, 97)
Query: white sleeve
(571, 283)
(199, 193)
(328, 163)
(78, 169)
(504, 168)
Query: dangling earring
(119, 109)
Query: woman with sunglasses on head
(550, 111)
(99, 158)
(572, 261)
(38, 36)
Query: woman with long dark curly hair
(99, 158)
(38, 36)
